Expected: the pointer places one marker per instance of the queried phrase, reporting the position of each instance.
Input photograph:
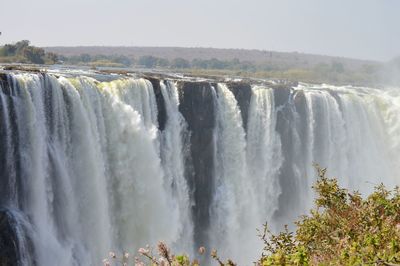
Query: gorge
(91, 163)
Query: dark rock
(281, 95)
(9, 249)
(4, 82)
(289, 200)
(242, 92)
(197, 107)
(162, 113)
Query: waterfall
(90, 166)
(173, 160)
(140, 207)
(233, 211)
(264, 155)
(348, 134)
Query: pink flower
(144, 251)
(163, 262)
(202, 250)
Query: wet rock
(242, 92)
(197, 107)
(9, 254)
(289, 200)
(162, 113)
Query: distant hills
(236, 63)
(280, 60)
(214, 62)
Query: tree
(162, 62)
(123, 60)
(21, 45)
(52, 58)
(198, 63)
(337, 67)
(34, 54)
(148, 61)
(85, 58)
(180, 63)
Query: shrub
(22, 52)
(343, 229)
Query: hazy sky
(368, 29)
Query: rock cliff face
(197, 105)
(161, 115)
(9, 246)
(242, 92)
(11, 185)
(285, 119)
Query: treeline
(149, 61)
(335, 71)
(98, 60)
(23, 52)
(213, 63)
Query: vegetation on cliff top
(343, 229)
(289, 66)
(23, 52)
(335, 71)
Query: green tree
(162, 62)
(85, 58)
(21, 46)
(337, 67)
(180, 63)
(148, 61)
(51, 58)
(34, 54)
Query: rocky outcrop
(4, 83)
(242, 92)
(162, 113)
(10, 187)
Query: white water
(172, 155)
(88, 171)
(234, 209)
(350, 135)
(264, 155)
(93, 170)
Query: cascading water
(233, 210)
(173, 160)
(264, 155)
(87, 167)
(91, 168)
